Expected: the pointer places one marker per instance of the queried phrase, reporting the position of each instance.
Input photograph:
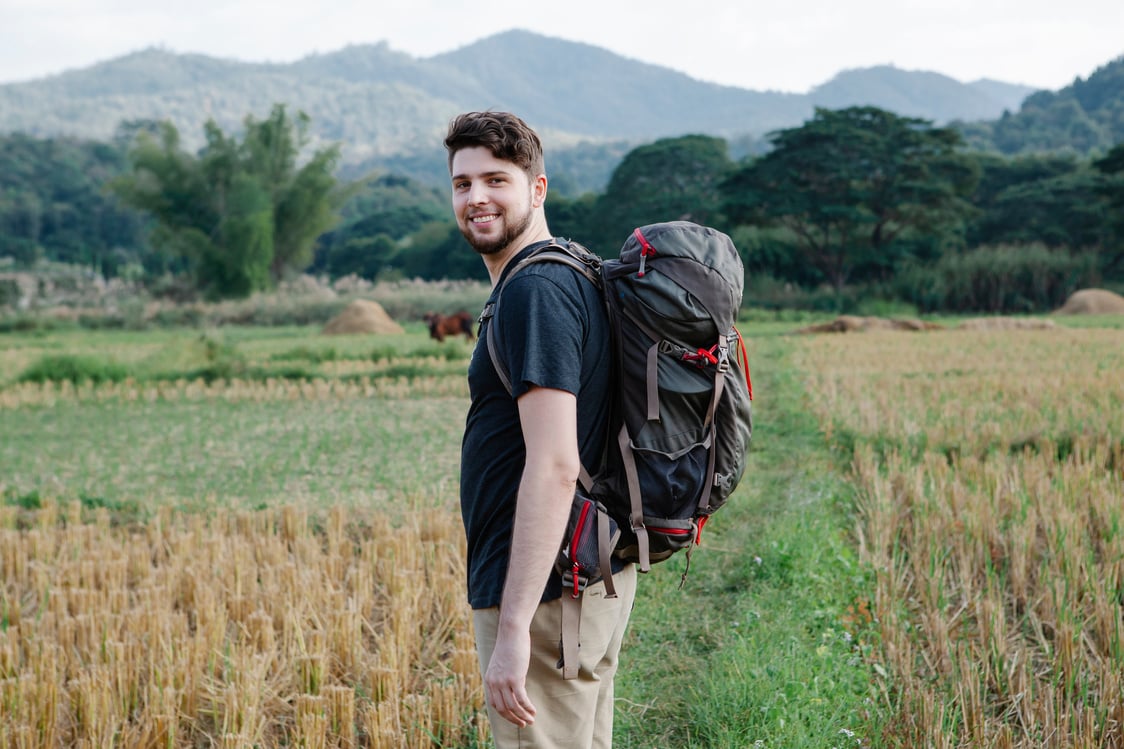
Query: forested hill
(931, 96)
(1086, 116)
(380, 103)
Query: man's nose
(477, 194)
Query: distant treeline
(855, 204)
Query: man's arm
(549, 421)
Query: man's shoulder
(549, 272)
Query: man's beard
(511, 232)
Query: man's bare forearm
(545, 495)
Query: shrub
(998, 279)
(75, 369)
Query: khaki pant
(575, 713)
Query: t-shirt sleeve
(542, 329)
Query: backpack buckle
(723, 363)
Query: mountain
(371, 116)
(1086, 116)
(585, 90)
(1010, 95)
(382, 104)
(930, 96)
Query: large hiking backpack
(681, 420)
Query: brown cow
(458, 323)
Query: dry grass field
(989, 467)
(235, 629)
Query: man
(522, 450)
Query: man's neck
(497, 261)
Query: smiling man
(522, 450)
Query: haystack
(1093, 302)
(362, 316)
(1007, 323)
(855, 324)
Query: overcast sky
(785, 45)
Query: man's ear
(538, 191)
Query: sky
(782, 45)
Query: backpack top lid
(703, 258)
(686, 274)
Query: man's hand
(505, 683)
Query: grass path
(762, 646)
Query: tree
(382, 211)
(1112, 188)
(53, 204)
(673, 178)
(438, 250)
(365, 256)
(243, 213)
(1053, 199)
(852, 185)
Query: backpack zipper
(578, 528)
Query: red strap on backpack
(745, 363)
(646, 249)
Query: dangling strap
(636, 516)
(604, 549)
(719, 384)
(571, 623)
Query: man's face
(493, 199)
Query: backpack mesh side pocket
(591, 535)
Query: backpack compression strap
(628, 460)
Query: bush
(765, 291)
(75, 369)
(28, 323)
(998, 279)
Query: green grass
(242, 353)
(363, 451)
(763, 646)
(74, 369)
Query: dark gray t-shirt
(553, 333)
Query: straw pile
(855, 324)
(362, 316)
(1093, 302)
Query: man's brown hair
(506, 136)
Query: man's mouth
(485, 218)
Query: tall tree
(53, 204)
(382, 211)
(1112, 167)
(851, 184)
(1051, 198)
(673, 178)
(244, 213)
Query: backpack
(681, 418)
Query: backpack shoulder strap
(562, 251)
